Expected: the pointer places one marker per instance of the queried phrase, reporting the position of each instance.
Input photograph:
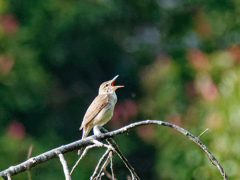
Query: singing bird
(101, 109)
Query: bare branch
(122, 157)
(28, 156)
(29, 151)
(34, 161)
(111, 166)
(9, 177)
(203, 132)
(110, 158)
(97, 131)
(96, 144)
(64, 165)
(83, 154)
(103, 168)
(103, 158)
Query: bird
(101, 109)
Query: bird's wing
(98, 103)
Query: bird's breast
(107, 112)
(104, 115)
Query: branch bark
(64, 165)
(34, 161)
(122, 157)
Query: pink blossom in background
(234, 50)
(146, 132)
(9, 24)
(202, 25)
(16, 130)
(175, 119)
(197, 59)
(190, 89)
(123, 112)
(207, 89)
(6, 63)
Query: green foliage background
(178, 60)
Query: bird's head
(108, 87)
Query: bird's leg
(96, 130)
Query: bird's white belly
(104, 115)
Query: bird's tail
(86, 130)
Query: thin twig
(64, 165)
(103, 168)
(108, 174)
(127, 164)
(29, 151)
(96, 144)
(105, 155)
(203, 132)
(97, 131)
(111, 165)
(9, 177)
(120, 154)
(82, 155)
(28, 156)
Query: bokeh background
(179, 61)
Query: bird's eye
(106, 85)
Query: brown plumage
(101, 109)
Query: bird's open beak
(113, 80)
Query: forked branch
(34, 161)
